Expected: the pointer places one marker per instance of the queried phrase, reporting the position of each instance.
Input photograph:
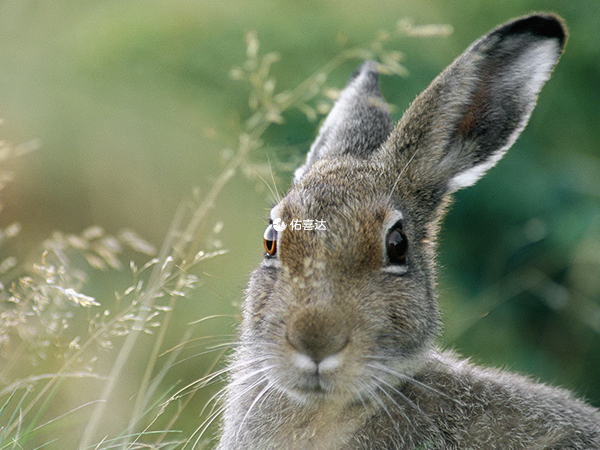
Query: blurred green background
(134, 109)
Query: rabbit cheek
(262, 319)
(409, 321)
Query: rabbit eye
(396, 245)
(270, 240)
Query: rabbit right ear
(358, 123)
(473, 112)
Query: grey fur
(336, 350)
(358, 123)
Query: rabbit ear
(358, 123)
(465, 121)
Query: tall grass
(43, 304)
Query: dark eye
(396, 245)
(270, 240)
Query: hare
(337, 344)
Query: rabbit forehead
(341, 191)
(354, 209)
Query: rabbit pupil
(270, 240)
(397, 245)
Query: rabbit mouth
(314, 378)
(307, 381)
(313, 386)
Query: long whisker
(261, 394)
(241, 381)
(217, 408)
(219, 396)
(410, 379)
(381, 381)
(277, 195)
(373, 396)
(237, 366)
(190, 343)
(203, 427)
(411, 403)
(402, 173)
(214, 348)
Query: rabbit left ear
(471, 114)
(358, 123)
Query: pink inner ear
(474, 111)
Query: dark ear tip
(543, 24)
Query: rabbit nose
(318, 336)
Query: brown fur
(337, 341)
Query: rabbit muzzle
(317, 341)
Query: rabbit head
(331, 314)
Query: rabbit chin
(342, 380)
(313, 391)
(304, 382)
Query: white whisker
(373, 396)
(203, 427)
(410, 379)
(402, 173)
(260, 395)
